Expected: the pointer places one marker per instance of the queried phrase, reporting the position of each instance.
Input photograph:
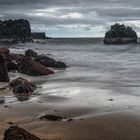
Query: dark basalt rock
(18, 30)
(51, 117)
(4, 77)
(17, 133)
(120, 34)
(22, 86)
(32, 68)
(59, 64)
(31, 53)
(12, 66)
(50, 62)
(55, 118)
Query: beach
(112, 126)
(99, 91)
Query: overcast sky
(73, 18)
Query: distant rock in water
(18, 30)
(120, 34)
(38, 35)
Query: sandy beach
(113, 126)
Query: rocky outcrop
(120, 34)
(31, 63)
(19, 30)
(4, 77)
(38, 35)
(22, 86)
(32, 68)
(17, 133)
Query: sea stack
(120, 34)
(4, 77)
(18, 30)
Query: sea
(103, 77)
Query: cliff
(19, 30)
(38, 35)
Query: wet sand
(86, 126)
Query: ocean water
(103, 77)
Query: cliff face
(120, 34)
(15, 29)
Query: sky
(73, 18)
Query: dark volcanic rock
(17, 133)
(51, 117)
(22, 86)
(31, 53)
(50, 62)
(15, 29)
(12, 66)
(4, 77)
(54, 118)
(120, 34)
(60, 64)
(32, 68)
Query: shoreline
(116, 125)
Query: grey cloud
(94, 13)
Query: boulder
(22, 86)
(11, 66)
(120, 34)
(17, 133)
(32, 68)
(50, 62)
(4, 77)
(31, 53)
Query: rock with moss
(120, 34)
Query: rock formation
(4, 77)
(31, 63)
(17, 133)
(15, 29)
(22, 86)
(120, 34)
